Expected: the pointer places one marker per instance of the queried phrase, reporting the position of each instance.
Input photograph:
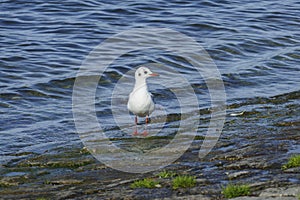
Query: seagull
(140, 102)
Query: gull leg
(145, 133)
(135, 129)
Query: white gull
(140, 102)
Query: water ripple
(255, 45)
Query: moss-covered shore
(253, 150)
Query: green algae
(144, 183)
(183, 181)
(294, 161)
(236, 190)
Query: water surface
(255, 45)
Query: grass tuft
(183, 182)
(145, 183)
(166, 174)
(232, 190)
(294, 161)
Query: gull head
(144, 72)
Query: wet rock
(288, 124)
(63, 163)
(202, 180)
(42, 172)
(265, 198)
(238, 174)
(65, 182)
(281, 192)
(293, 170)
(143, 193)
(259, 162)
(260, 185)
(7, 182)
(247, 152)
(188, 197)
(13, 180)
(119, 182)
(67, 194)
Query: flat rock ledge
(283, 193)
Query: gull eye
(145, 72)
(139, 74)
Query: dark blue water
(255, 45)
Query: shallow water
(255, 45)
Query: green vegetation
(294, 161)
(58, 163)
(145, 183)
(166, 174)
(232, 190)
(7, 184)
(199, 137)
(85, 151)
(183, 182)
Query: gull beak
(154, 74)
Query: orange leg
(145, 133)
(135, 130)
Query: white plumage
(140, 101)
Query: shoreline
(252, 150)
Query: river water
(254, 44)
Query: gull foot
(135, 133)
(145, 133)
